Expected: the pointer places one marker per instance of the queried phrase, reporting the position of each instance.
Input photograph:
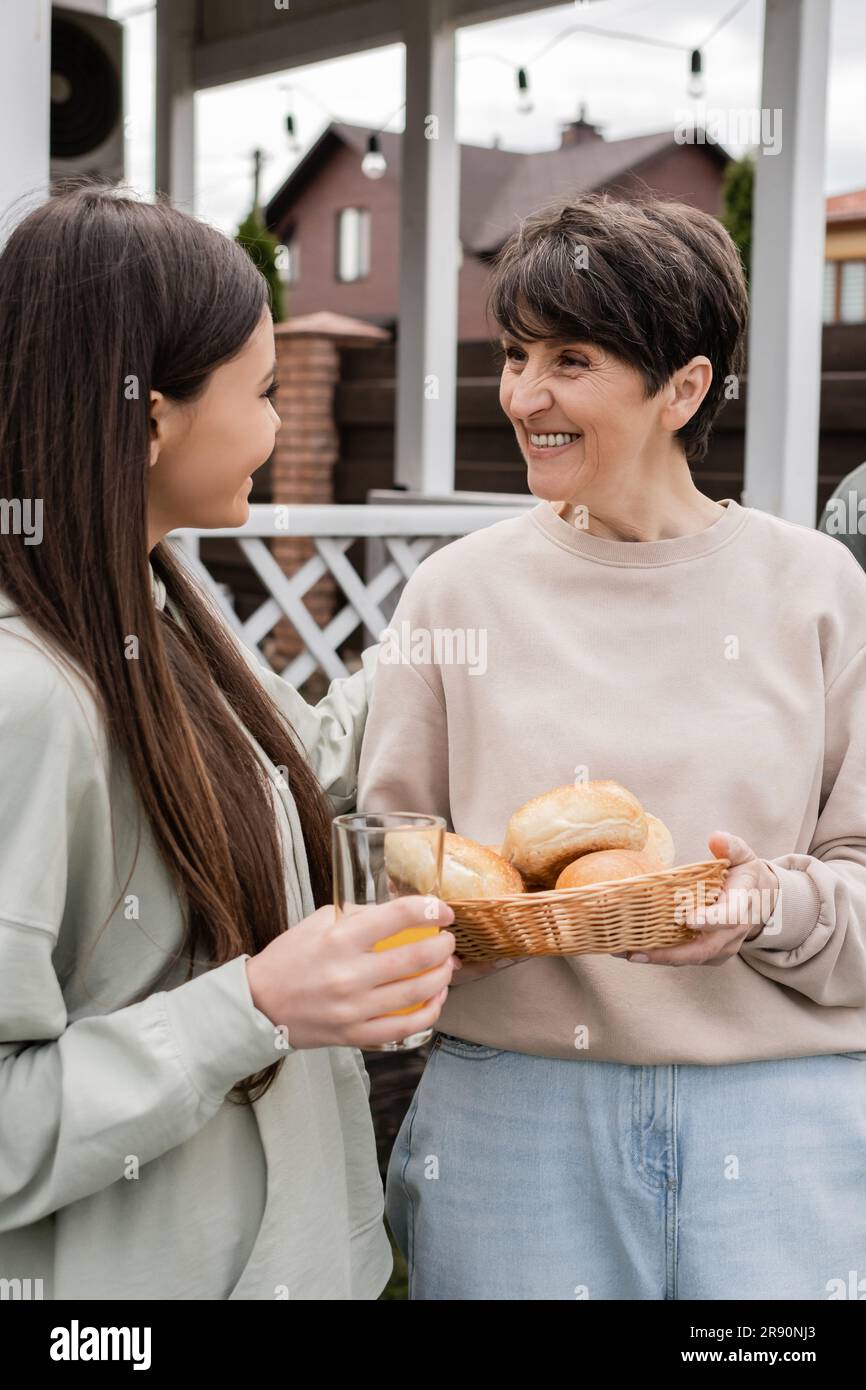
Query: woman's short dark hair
(656, 283)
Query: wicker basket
(631, 914)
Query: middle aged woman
(592, 1126)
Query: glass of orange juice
(378, 856)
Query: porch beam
(784, 380)
(350, 29)
(297, 41)
(174, 171)
(25, 107)
(429, 254)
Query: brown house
(845, 258)
(342, 228)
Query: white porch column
(25, 109)
(787, 266)
(429, 232)
(175, 123)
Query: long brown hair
(97, 288)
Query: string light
(696, 84)
(294, 142)
(374, 163)
(696, 59)
(525, 104)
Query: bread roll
(604, 866)
(469, 870)
(557, 827)
(659, 843)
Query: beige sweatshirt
(721, 677)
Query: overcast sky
(629, 89)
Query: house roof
(343, 331)
(553, 173)
(847, 207)
(496, 185)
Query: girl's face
(203, 454)
(581, 392)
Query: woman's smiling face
(580, 391)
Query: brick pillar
(302, 469)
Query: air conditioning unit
(87, 107)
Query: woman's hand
(323, 981)
(746, 904)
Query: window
(845, 291)
(852, 291)
(353, 244)
(289, 262)
(829, 291)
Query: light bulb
(696, 70)
(373, 164)
(525, 103)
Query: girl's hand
(323, 981)
(745, 905)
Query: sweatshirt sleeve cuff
(221, 1035)
(798, 907)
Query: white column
(784, 382)
(25, 109)
(429, 244)
(175, 111)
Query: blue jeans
(519, 1177)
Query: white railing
(405, 535)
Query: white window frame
(353, 245)
(290, 274)
(848, 266)
(835, 271)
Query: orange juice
(405, 938)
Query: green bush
(261, 246)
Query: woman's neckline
(641, 553)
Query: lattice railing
(406, 534)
